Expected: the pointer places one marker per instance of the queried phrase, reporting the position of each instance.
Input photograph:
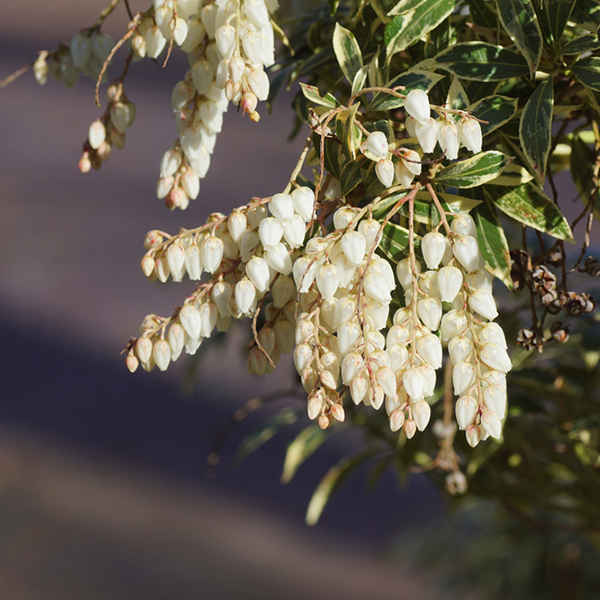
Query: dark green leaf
(495, 110)
(322, 59)
(535, 129)
(483, 14)
(478, 90)
(404, 30)
(347, 131)
(347, 52)
(312, 93)
(351, 176)
(394, 242)
(529, 205)
(553, 16)
(585, 43)
(473, 171)
(483, 62)
(305, 444)
(587, 14)
(587, 70)
(333, 478)
(513, 175)
(492, 242)
(520, 21)
(457, 98)
(411, 80)
(333, 6)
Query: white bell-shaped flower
(259, 83)
(304, 202)
(354, 246)
(494, 397)
(370, 229)
(398, 357)
(491, 424)
(281, 207)
(190, 320)
(430, 379)
(155, 41)
(403, 175)
(387, 380)
(397, 335)
(304, 271)
(315, 401)
(303, 354)
(143, 348)
(226, 39)
(466, 251)
(190, 182)
(453, 324)
(384, 170)
(482, 302)
(270, 232)
(449, 282)
(279, 259)
(196, 33)
(252, 43)
(351, 366)
(377, 144)
(473, 435)
(328, 280)
(414, 383)
(383, 267)
(212, 253)
(429, 284)
(348, 334)
(469, 134)
(256, 12)
(245, 295)
(495, 357)
(460, 349)
(203, 76)
(464, 224)
(409, 429)
(376, 287)
(466, 409)
(479, 280)
(421, 412)
(81, 50)
(427, 134)
(257, 270)
(97, 135)
(208, 318)
(416, 104)
(162, 354)
(343, 217)
(396, 420)
(405, 274)
(448, 140)
(430, 312)
(463, 377)
(237, 224)
(493, 333)
(429, 348)
(176, 339)
(359, 389)
(220, 295)
(433, 247)
(180, 32)
(248, 243)
(176, 261)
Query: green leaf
(482, 62)
(405, 29)
(394, 242)
(348, 132)
(587, 70)
(513, 175)
(254, 441)
(312, 93)
(587, 14)
(553, 16)
(351, 176)
(333, 478)
(305, 444)
(347, 51)
(483, 14)
(426, 212)
(492, 242)
(457, 98)
(333, 6)
(585, 43)
(473, 171)
(359, 80)
(411, 80)
(520, 21)
(495, 110)
(535, 128)
(529, 205)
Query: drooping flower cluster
(247, 255)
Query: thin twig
(16, 74)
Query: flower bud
(370, 230)
(460, 349)
(491, 424)
(492, 332)
(469, 134)
(376, 287)
(414, 383)
(283, 291)
(403, 175)
(81, 50)
(281, 207)
(323, 422)
(429, 348)
(327, 280)
(316, 401)
(427, 134)
(257, 270)
(416, 104)
(259, 83)
(430, 312)
(161, 354)
(358, 389)
(176, 339)
(405, 274)
(252, 44)
(304, 270)
(479, 280)
(354, 246)
(494, 397)
(463, 377)
(237, 224)
(473, 436)
(256, 11)
(328, 380)
(303, 355)
(377, 144)
(396, 419)
(387, 380)
(433, 247)
(143, 348)
(226, 40)
(466, 251)
(463, 225)
(132, 363)
(41, 70)
(466, 409)
(448, 139)
(245, 295)
(190, 320)
(278, 258)
(270, 232)
(351, 365)
(496, 358)
(97, 134)
(453, 324)
(385, 172)
(309, 378)
(482, 302)
(421, 412)
(161, 268)
(303, 199)
(409, 429)
(449, 282)
(176, 261)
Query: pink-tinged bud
(464, 225)
(354, 246)
(309, 378)
(449, 282)
(433, 247)
(85, 164)
(491, 424)
(161, 354)
(376, 288)
(427, 134)
(385, 172)
(257, 270)
(245, 296)
(482, 302)
(469, 134)
(494, 397)
(176, 261)
(453, 324)
(303, 355)
(161, 268)
(316, 402)
(429, 348)
(190, 183)
(138, 43)
(370, 230)
(409, 429)
(466, 251)
(416, 104)
(337, 412)
(396, 419)
(233, 92)
(132, 363)
(256, 11)
(148, 265)
(448, 139)
(376, 396)
(208, 318)
(492, 332)
(328, 380)
(303, 199)
(278, 258)
(430, 312)
(377, 144)
(281, 207)
(259, 83)
(414, 383)
(170, 163)
(496, 358)
(387, 380)
(351, 366)
(359, 388)
(270, 232)
(164, 186)
(252, 44)
(190, 321)
(143, 348)
(348, 335)
(248, 102)
(104, 151)
(472, 435)
(463, 377)
(421, 412)
(466, 409)
(323, 422)
(328, 280)
(212, 254)
(97, 134)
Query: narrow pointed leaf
(513, 175)
(587, 14)
(495, 110)
(535, 129)
(359, 80)
(520, 21)
(457, 98)
(585, 43)
(474, 171)
(587, 70)
(553, 16)
(394, 242)
(347, 51)
(301, 448)
(312, 93)
(350, 176)
(382, 8)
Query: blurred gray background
(102, 486)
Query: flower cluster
(247, 255)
